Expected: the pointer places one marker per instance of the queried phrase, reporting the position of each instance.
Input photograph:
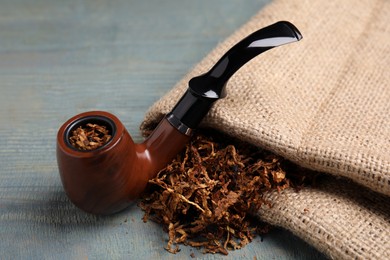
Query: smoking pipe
(109, 178)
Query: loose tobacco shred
(89, 137)
(205, 197)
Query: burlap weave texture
(323, 103)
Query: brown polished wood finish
(108, 179)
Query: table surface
(60, 58)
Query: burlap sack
(323, 103)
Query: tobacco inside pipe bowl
(82, 122)
(109, 178)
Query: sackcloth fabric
(323, 103)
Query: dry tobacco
(205, 197)
(89, 137)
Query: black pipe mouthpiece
(207, 88)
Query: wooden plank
(59, 58)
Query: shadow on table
(59, 211)
(290, 246)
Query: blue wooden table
(60, 58)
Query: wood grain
(60, 58)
